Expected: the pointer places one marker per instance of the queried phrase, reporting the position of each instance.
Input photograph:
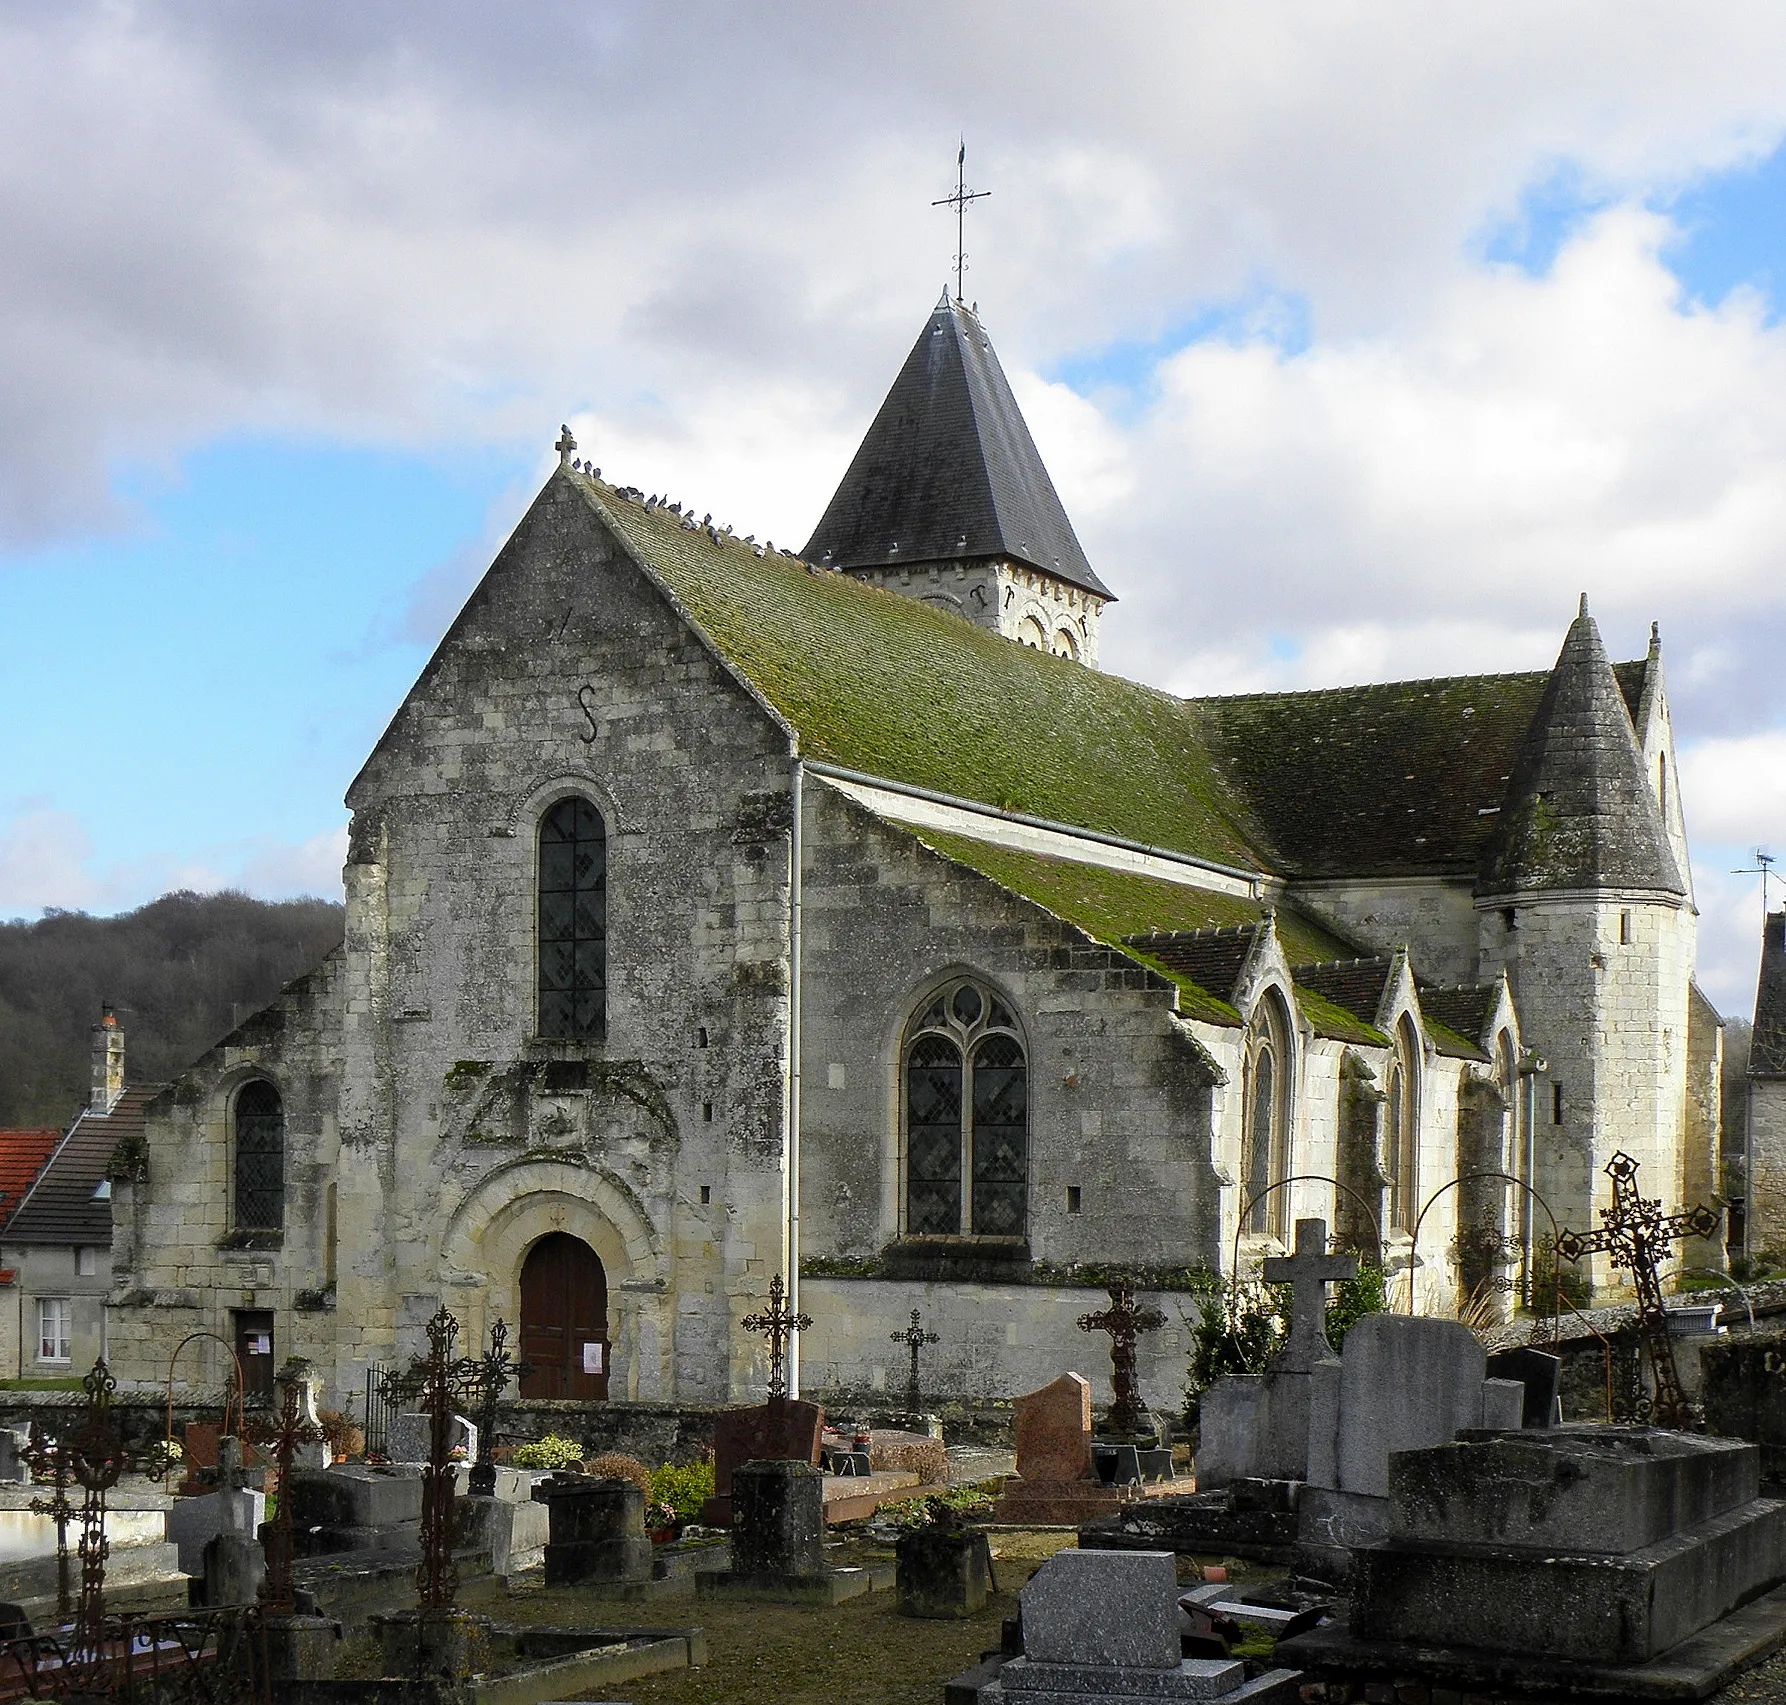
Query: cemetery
(1427, 1512)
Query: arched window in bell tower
(573, 921)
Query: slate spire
(1578, 811)
(948, 469)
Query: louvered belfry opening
(260, 1158)
(573, 921)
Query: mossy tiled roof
(879, 682)
(1402, 778)
(1464, 1011)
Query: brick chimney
(108, 1063)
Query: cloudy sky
(1359, 339)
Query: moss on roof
(1112, 905)
(1331, 1019)
(879, 682)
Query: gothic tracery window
(1266, 1113)
(259, 1157)
(967, 1117)
(573, 920)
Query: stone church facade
(714, 911)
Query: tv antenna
(959, 200)
(1764, 868)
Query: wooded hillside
(180, 971)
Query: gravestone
(1256, 1426)
(596, 1530)
(782, 1430)
(355, 1507)
(945, 1570)
(1053, 1428)
(314, 1451)
(14, 1469)
(778, 1522)
(192, 1523)
(1402, 1382)
(1567, 1558)
(1744, 1393)
(1105, 1625)
(411, 1438)
(1542, 1376)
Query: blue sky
(1358, 346)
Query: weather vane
(959, 200)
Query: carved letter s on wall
(584, 694)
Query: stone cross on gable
(564, 446)
(1309, 1271)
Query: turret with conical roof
(1579, 811)
(947, 499)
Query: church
(717, 912)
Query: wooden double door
(564, 1320)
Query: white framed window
(55, 1320)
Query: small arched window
(967, 1118)
(1265, 1135)
(1030, 632)
(573, 920)
(1402, 1149)
(259, 1157)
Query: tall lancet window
(1265, 1144)
(1402, 1142)
(573, 921)
(259, 1157)
(966, 1118)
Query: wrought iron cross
(294, 1429)
(437, 1578)
(1636, 1234)
(1125, 1323)
(777, 1323)
(914, 1337)
(97, 1459)
(958, 200)
(485, 1378)
(50, 1459)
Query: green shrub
(550, 1452)
(683, 1488)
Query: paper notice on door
(260, 1344)
(593, 1357)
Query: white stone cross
(1309, 1271)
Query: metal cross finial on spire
(959, 200)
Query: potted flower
(661, 1523)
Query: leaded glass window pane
(933, 1136)
(1260, 1140)
(1000, 1137)
(260, 1158)
(573, 920)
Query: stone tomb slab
(1607, 1490)
(1540, 1374)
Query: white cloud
(1734, 789)
(43, 854)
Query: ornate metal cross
(1636, 1234)
(294, 1429)
(437, 1578)
(777, 1323)
(97, 1459)
(49, 1459)
(1125, 1323)
(915, 1338)
(959, 200)
(485, 1378)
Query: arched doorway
(564, 1319)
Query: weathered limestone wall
(1011, 598)
(179, 1265)
(1119, 1102)
(1601, 981)
(1432, 915)
(994, 1340)
(1767, 1185)
(463, 1137)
